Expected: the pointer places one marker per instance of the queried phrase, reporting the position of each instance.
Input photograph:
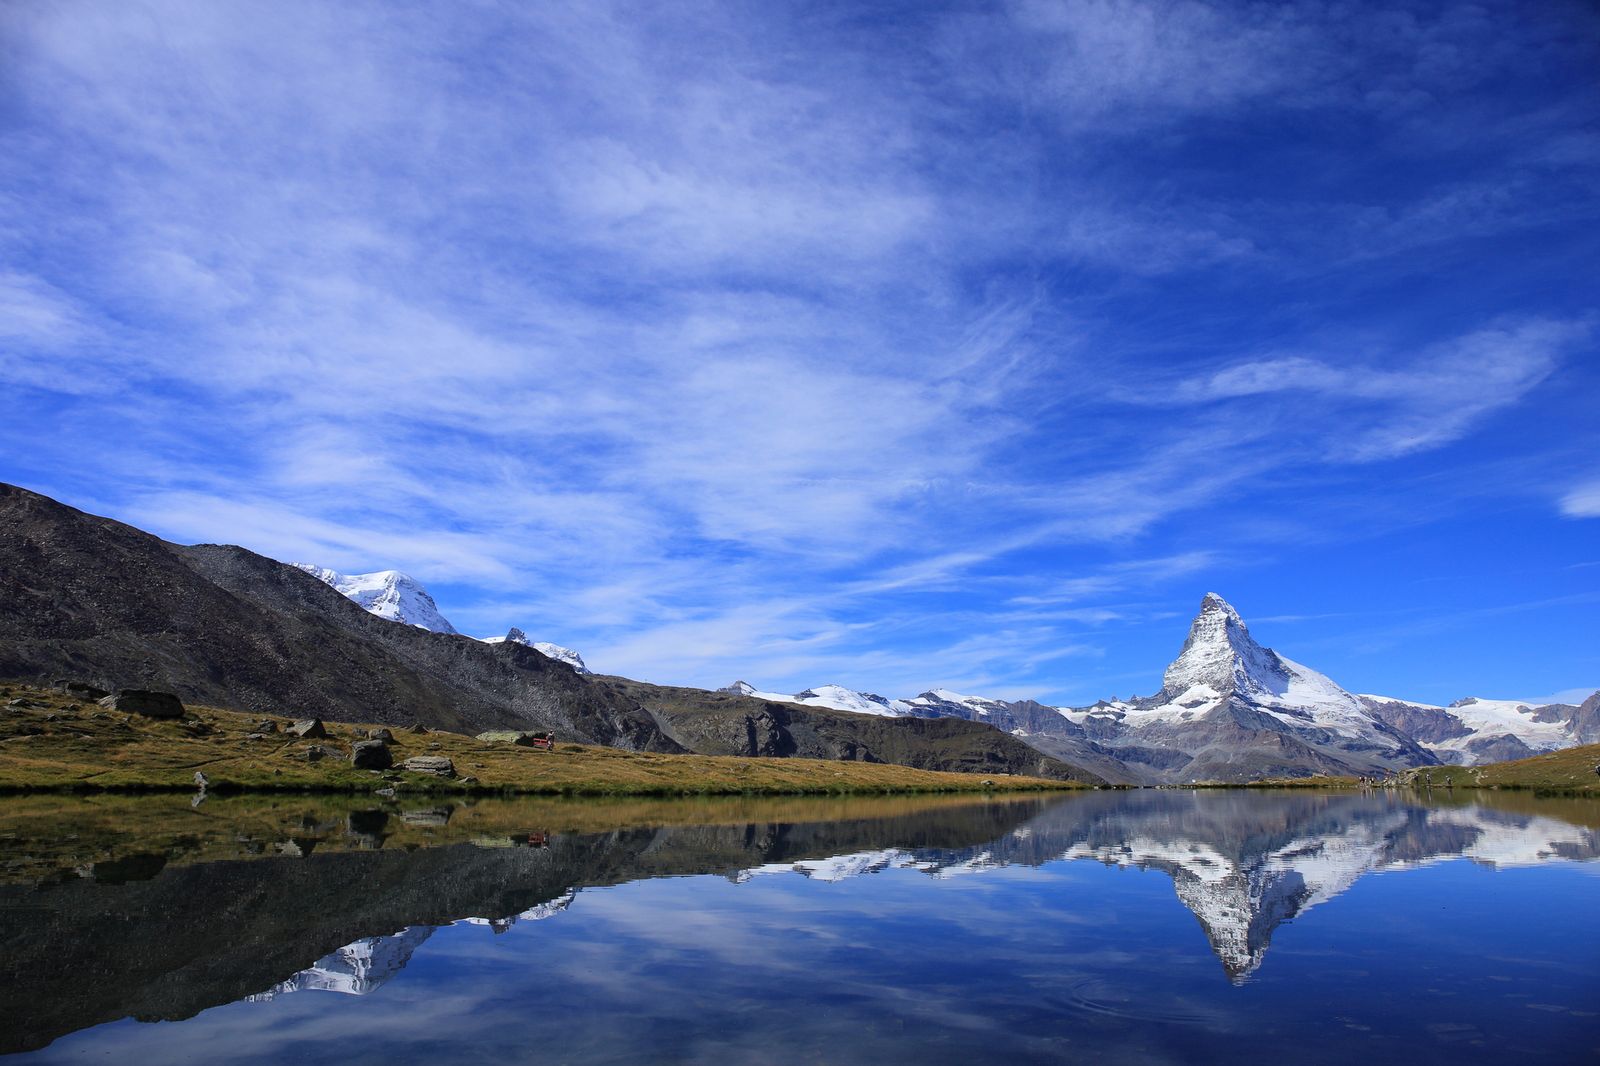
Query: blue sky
(892, 345)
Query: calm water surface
(1110, 927)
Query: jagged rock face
(1220, 654)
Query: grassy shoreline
(1568, 772)
(62, 745)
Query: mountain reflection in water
(252, 904)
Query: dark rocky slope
(92, 599)
(720, 723)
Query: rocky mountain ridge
(1223, 688)
(98, 601)
(1230, 709)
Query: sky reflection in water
(1025, 932)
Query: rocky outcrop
(145, 702)
(437, 765)
(371, 755)
(521, 738)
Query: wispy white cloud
(1582, 501)
(727, 340)
(1382, 407)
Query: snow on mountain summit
(844, 699)
(543, 647)
(1221, 662)
(1220, 654)
(387, 594)
(836, 697)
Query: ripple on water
(1093, 995)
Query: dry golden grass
(64, 745)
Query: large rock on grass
(437, 765)
(145, 702)
(371, 755)
(308, 728)
(520, 737)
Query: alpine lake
(1144, 926)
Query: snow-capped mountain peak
(388, 594)
(943, 702)
(844, 699)
(543, 647)
(1221, 655)
(836, 697)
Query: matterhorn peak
(1220, 654)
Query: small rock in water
(386, 792)
(438, 765)
(145, 702)
(201, 780)
(308, 727)
(371, 755)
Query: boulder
(308, 727)
(438, 765)
(419, 729)
(316, 753)
(380, 734)
(20, 704)
(371, 755)
(266, 725)
(201, 780)
(82, 690)
(145, 702)
(520, 737)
